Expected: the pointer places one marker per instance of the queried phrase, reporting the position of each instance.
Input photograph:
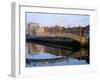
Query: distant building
(40, 31)
(32, 28)
(86, 31)
(43, 30)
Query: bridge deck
(68, 35)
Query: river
(39, 54)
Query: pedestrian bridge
(68, 35)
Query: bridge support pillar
(83, 41)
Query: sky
(47, 19)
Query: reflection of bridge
(67, 35)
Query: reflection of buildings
(34, 29)
(38, 48)
(32, 48)
(82, 54)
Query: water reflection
(39, 54)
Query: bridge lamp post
(81, 34)
(29, 30)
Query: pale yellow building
(32, 28)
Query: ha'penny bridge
(51, 37)
(81, 39)
(77, 37)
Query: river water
(38, 54)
